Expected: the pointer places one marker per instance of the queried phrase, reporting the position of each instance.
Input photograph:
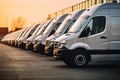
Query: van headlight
(47, 42)
(37, 42)
(19, 41)
(28, 42)
(56, 44)
(24, 41)
(51, 43)
(60, 44)
(63, 43)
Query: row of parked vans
(76, 38)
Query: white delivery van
(64, 27)
(94, 36)
(20, 35)
(30, 40)
(5, 39)
(52, 27)
(9, 37)
(29, 32)
(14, 36)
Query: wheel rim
(80, 59)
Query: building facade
(82, 5)
(3, 32)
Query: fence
(82, 5)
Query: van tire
(79, 58)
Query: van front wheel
(79, 58)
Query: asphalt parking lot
(20, 64)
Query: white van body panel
(40, 31)
(52, 26)
(28, 33)
(67, 37)
(41, 38)
(23, 38)
(72, 17)
(15, 34)
(115, 28)
(94, 42)
(31, 38)
(103, 57)
(22, 33)
(53, 37)
(104, 45)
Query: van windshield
(26, 31)
(22, 32)
(48, 28)
(63, 26)
(78, 24)
(36, 31)
(42, 29)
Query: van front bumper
(61, 53)
(16, 44)
(21, 45)
(29, 46)
(49, 50)
(39, 48)
(36, 48)
(12, 43)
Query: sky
(33, 11)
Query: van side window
(96, 25)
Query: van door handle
(103, 37)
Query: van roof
(90, 11)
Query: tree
(18, 23)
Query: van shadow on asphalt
(97, 64)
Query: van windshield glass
(26, 32)
(78, 24)
(48, 28)
(36, 30)
(42, 29)
(22, 33)
(63, 26)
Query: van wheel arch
(87, 52)
(79, 57)
(76, 56)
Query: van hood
(53, 37)
(23, 39)
(41, 38)
(67, 36)
(31, 38)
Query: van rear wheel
(79, 58)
